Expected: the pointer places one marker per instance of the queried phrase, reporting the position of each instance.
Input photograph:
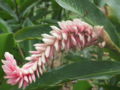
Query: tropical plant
(81, 52)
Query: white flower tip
(34, 67)
(28, 58)
(47, 52)
(36, 45)
(39, 62)
(7, 54)
(48, 41)
(102, 44)
(43, 58)
(54, 28)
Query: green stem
(20, 50)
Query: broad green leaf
(27, 22)
(5, 86)
(8, 44)
(82, 85)
(99, 3)
(90, 13)
(32, 32)
(50, 21)
(4, 27)
(57, 11)
(108, 87)
(57, 87)
(79, 70)
(4, 6)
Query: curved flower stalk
(71, 34)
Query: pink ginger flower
(71, 34)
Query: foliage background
(23, 22)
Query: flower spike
(71, 34)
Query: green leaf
(112, 53)
(11, 3)
(99, 3)
(57, 87)
(90, 13)
(4, 15)
(4, 27)
(79, 70)
(27, 22)
(82, 85)
(27, 45)
(107, 87)
(32, 32)
(8, 9)
(57, 11)
(25, 4)
(115, 7)
(40, 14)
(8, 44)
(28, 9)
(113, 13)
(5, 86)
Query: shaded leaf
(4, 27)
(27, 22)
(40, 14)
(79, 70)
(4, 15)
(25, 4)
(31, 32)
(57, 11)
(107, 87)
(6, 8)
(27, 45)
(5, 86)
(27, 9)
